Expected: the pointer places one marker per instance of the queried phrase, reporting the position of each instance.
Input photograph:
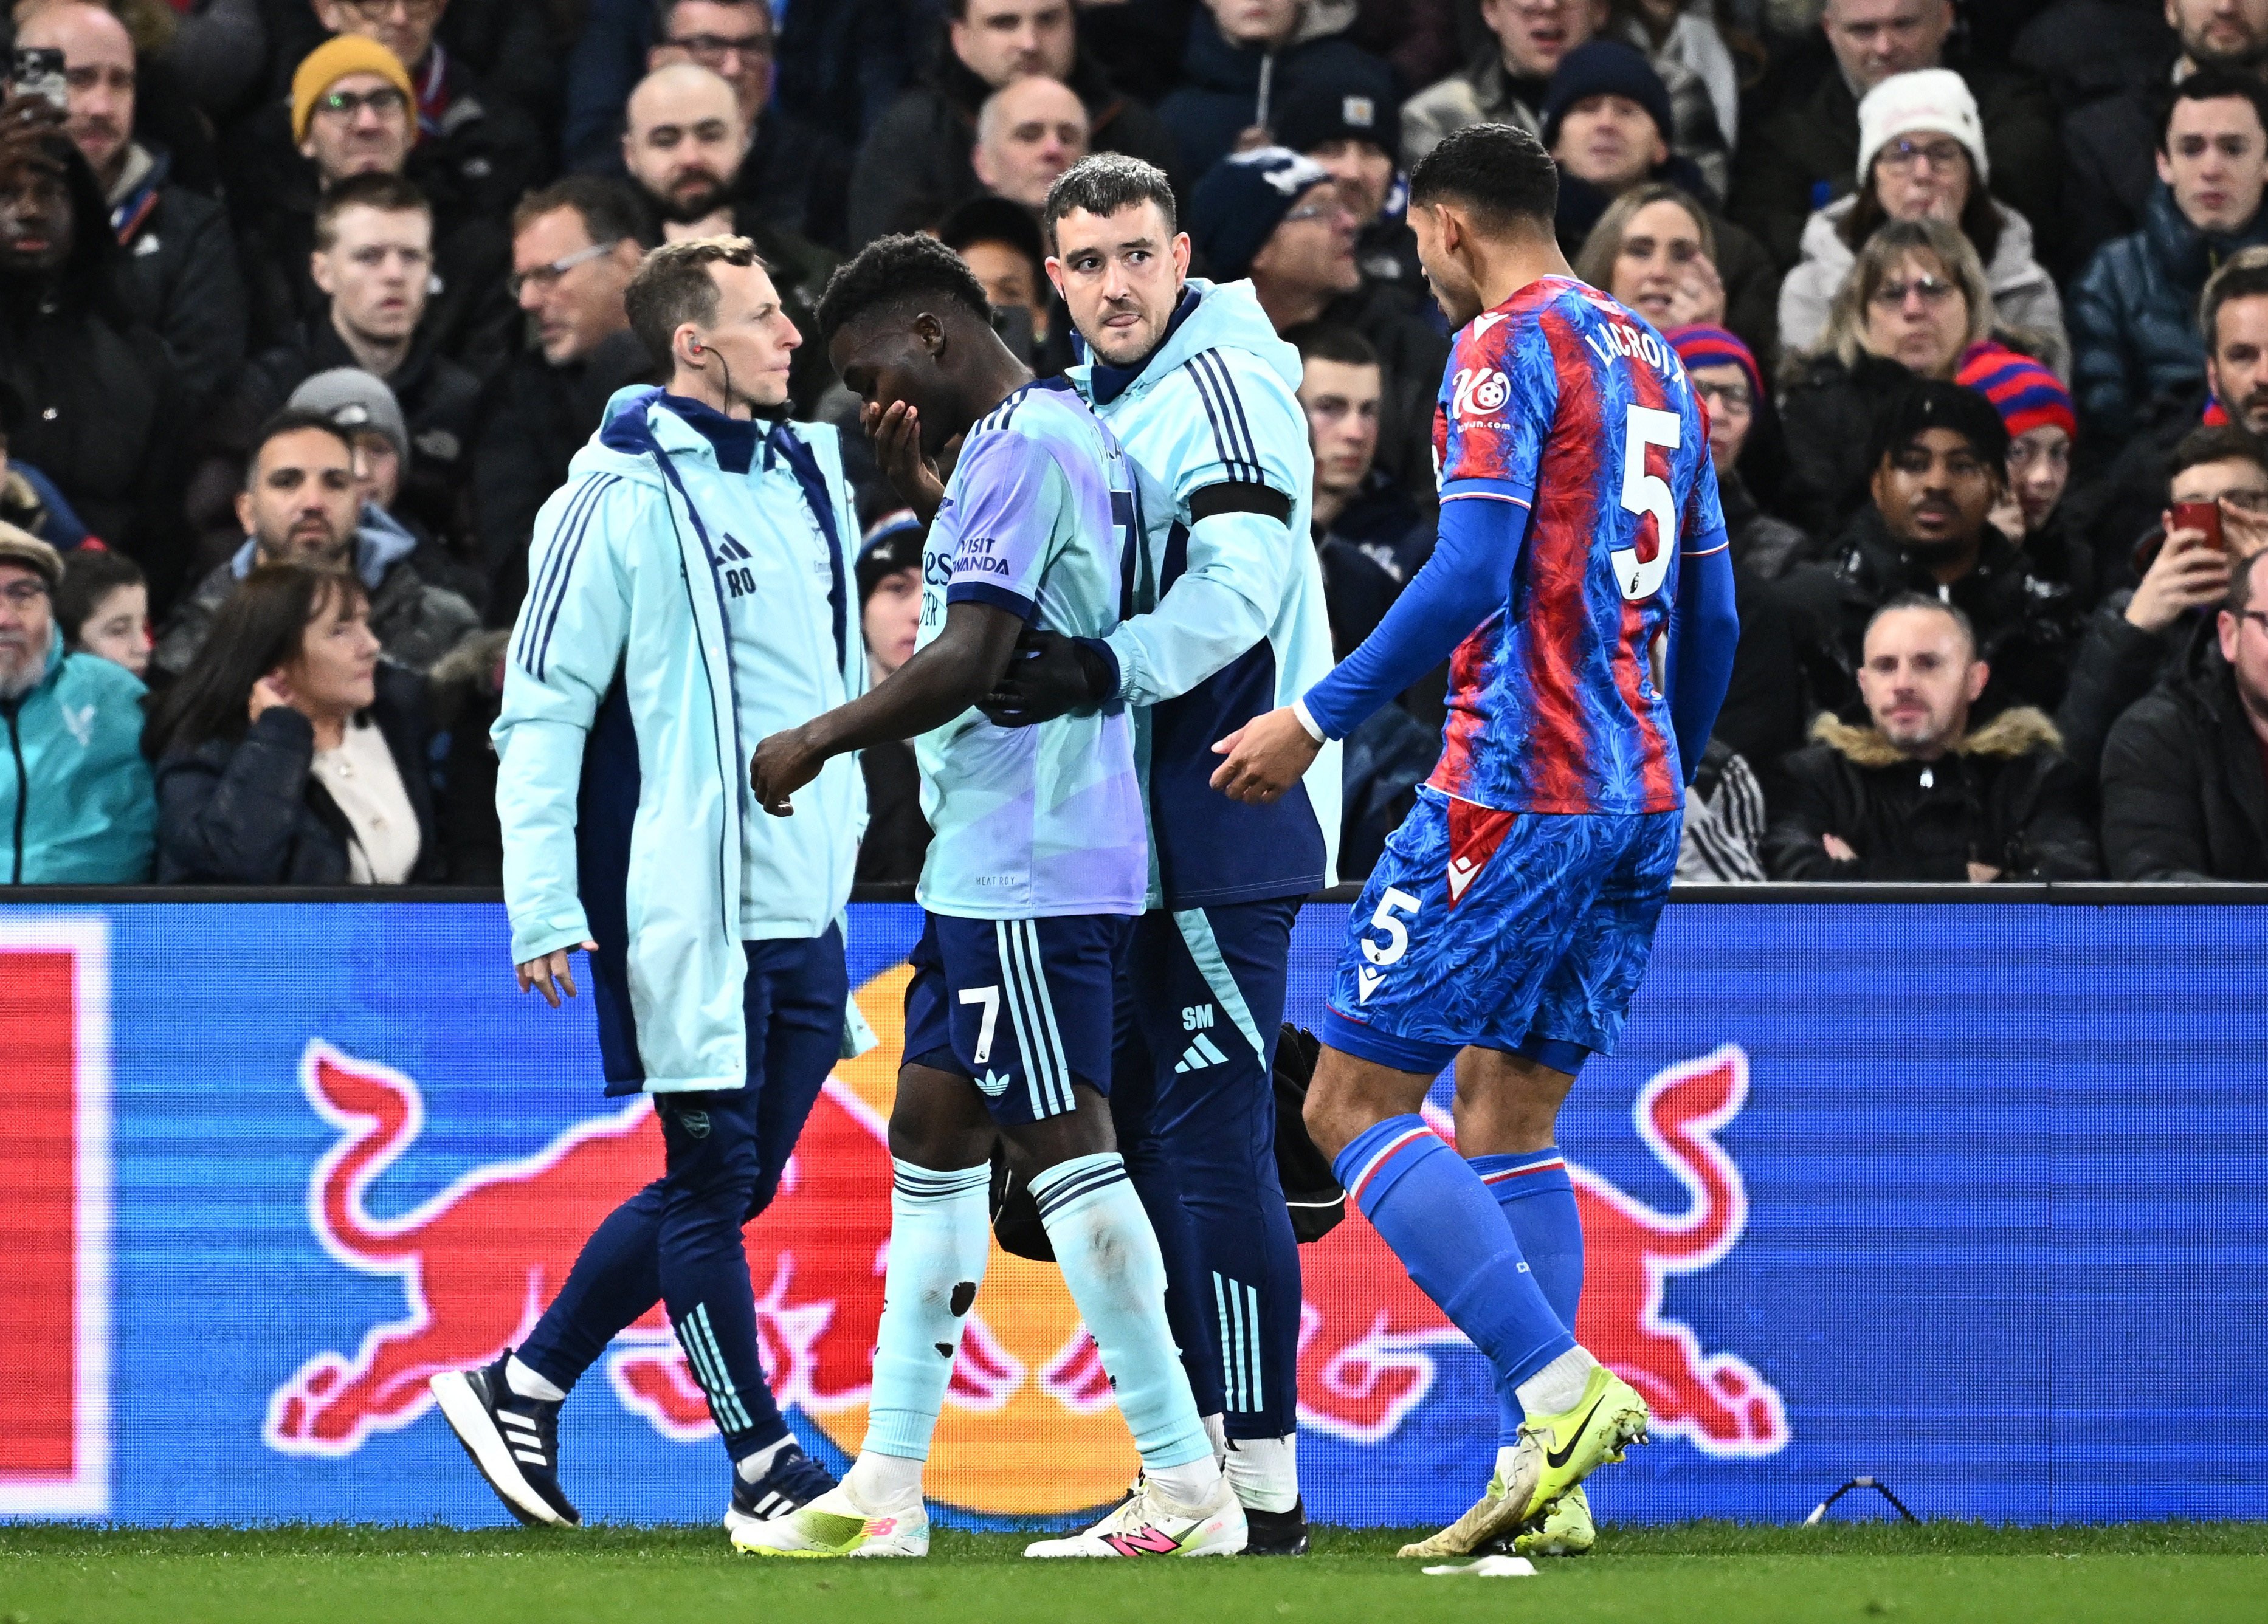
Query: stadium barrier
(1972, 1199)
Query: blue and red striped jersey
(1570, 409)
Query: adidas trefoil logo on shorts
(1202, 1055)
(994, 1083)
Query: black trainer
(794, 1482)
(513, 1440)
(1276, 1533)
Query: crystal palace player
(1512, 915)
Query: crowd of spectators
(305, 305)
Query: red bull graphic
(265, 1168)
(1364, 1329)
(479, 1261)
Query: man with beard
(1939, 458)
(98, 401)
(1914, 794)
(796, 176)
(299, 506)
(178, 275)
(76, 804)
(684, 144)
(2107, 144)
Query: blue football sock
(940, 1236)
(1116, 1276)
(1537, 1199)
(1442, 1222)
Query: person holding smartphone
(2216, 516)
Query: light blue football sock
(1442, 1222)
(940, 1236)
(1116, 1275)
(1537, 1199)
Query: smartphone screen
(38, 70)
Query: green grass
(1700, 1572)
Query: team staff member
(688, 594)
(1203, 396)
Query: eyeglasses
(2023, 454)
(346, 104)
(23, 594)
(547, 276)
(1725, 397)
(709, 49)
(1933, 291)
(1318, 211)
(1904, 154)
(2245, 498)
(376, 10)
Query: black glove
(1049, 675)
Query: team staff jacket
(1226, 614)
(623, 748)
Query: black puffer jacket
(2133, 314)
(2117, 663)
(248, 812)
(177, 275)
(2004, 796)
(2028, 627)
(913, 168)
(89, 398)
(2184, 792)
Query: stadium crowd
(305, 306)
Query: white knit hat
(1927, 99)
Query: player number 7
(990, 997)
(1648, 493)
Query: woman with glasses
(1914, 303)
(1921, 156)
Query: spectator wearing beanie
(474, 152)
(1245, 62)
(1277, 218)
(1762, 716)
(1921, 154)
(1936, 460)
(352, 113)
(1607, 122)
(1801, 157)
(2042, 425)
(889, 615)
(1743, 427)
(1357, 136)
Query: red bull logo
(1366, 1330)
(1029, 1426)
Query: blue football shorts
(1022, 1008)
(1521, 932)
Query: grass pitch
(1700, 1572)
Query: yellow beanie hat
(332, 60)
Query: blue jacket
(2133, 313)
(1221, 90)
(76, 802)
(624, 755)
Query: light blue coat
(72, 777)
(623, 749)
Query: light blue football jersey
(1033, 822)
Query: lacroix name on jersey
(1614, 339)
